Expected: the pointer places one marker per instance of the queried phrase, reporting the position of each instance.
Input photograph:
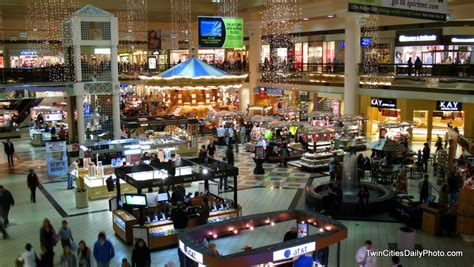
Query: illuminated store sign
(448, 106)
(28, 52)
(292, 252)
(383, 102)
(463, 40)
(417, 38)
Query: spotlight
(330, 16)
(272, 224)
(305, 19)
(321, 230)
(214, 236)
(251, 228)
(235, 231)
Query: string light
(228, 8)
(137, 25)
(44, 22)
(280, 20)
(370, 30)
(181, 24)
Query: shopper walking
(410, 66)
(396, 261)
(141, 254)
(439, 144)
(285, 155)
(73, 168)
(84, 255)
(201, 127)
(65, 234)
(6, 202)
(363, 256)
(48, 239)
(418, 66)
(103, 251)
(32, 181)
(363, 196)
(28, 257)
(9, 149)
(425, 156)
(68, 259)
(211, 148)
(425, 187)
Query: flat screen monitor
(135, 200)
(365, 41)
(302, 230)
(163, 197)
(53, 117)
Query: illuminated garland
(137, 24)
(370, 29)
(181, 37)
(280, 19)
(228, 8)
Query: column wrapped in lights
(280, 19)
(228, 8)
(370, 30)
(43, 20)
(181, 37)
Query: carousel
(194, 87)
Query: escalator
(23, 108)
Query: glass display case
(122, 225)
(38, 137)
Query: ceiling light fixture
(330, 16)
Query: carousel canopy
(197, 74)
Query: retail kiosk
(101, 158)
(156, 228)
(326, 232)
(165, 126)
(51, 117)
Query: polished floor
(279, 189)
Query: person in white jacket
(28, 257)
(363, 258)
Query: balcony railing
(294, 73)
(52, 74)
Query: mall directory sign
(221, 32)
(422, 9)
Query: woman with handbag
(48, 239)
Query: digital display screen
(53, 117)
(220, 32)
(302, 230)
(135, 200)
(152, 63)
(163, 197)
(365, 41)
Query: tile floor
(276, 190)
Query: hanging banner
(154, 40)
(422, 9)
(56, 158)
(220, 32)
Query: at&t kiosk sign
(295, 251)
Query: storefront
(381, 111)
(178, 56)
(31, 59)
(268, 97)
(447, 113)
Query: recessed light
(305, 18)
(330, 16)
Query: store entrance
(380, 116)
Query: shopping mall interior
(236, 133)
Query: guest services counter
(153, 224)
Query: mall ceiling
(14, 11)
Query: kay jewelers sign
(422, 9)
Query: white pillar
(81, 133)
(351, 61)
(255, 50)
(244, 98)
(115, 93)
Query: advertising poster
(56, 158)
(422, 9)
(221, 32)
(154, 40)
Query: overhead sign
(220, 32)
(191, 253)
(268, 91)
(383, 102)
(462, 40)
(422, 9)
(448, 106)
(365, 41)
(28, 53)
(292, 252)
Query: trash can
(81, 199)
(406, 238)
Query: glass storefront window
(403, 53)
(441, 119)
(420, 127)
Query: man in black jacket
(6, 202)
(179, 217)
(9, 149)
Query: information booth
(164, 126)
(155, 225)
(315, 233)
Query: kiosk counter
(153, 223)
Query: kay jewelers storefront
(430, 117)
